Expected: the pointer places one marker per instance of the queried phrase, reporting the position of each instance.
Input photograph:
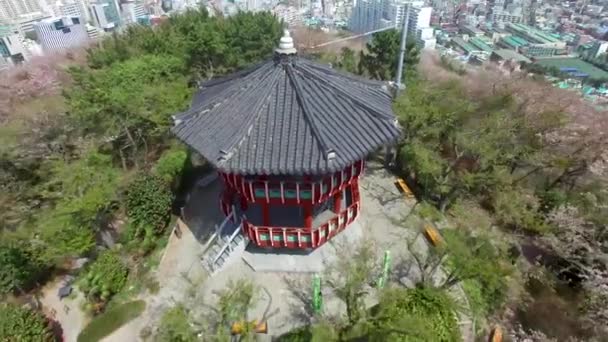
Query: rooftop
(481, 44)
(288, 116)
(466, 46)
(507, 54)
(534, 33)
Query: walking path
(66, 311)
(183, 280)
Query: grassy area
(581, 65)
(111, 320)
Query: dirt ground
(66, 311)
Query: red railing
(317, 192)
(292, 237)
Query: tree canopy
(381, 56)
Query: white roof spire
(286, 46)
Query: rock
(407, 282)
(79, 263)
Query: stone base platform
(291, 260)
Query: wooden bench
(402, 186)
(432, 235)
(496, 335)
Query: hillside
(514, 172)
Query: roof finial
(286, 46)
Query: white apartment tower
(131, 10)
(74, 9)
(60, 33)
(10, 9)
(12, 50)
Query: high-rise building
(11, 9)
(367, 15)
(598, 48)
(420, 17)
(289, 14)
(60, 33)
(105, 14)
(131, 10)
(253, 5)
(26, 21)
(12, 50)
(73, 9)
(395, 10)
(5, 13)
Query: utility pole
(402, 50)
(390, 157)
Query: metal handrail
(227, 244)
(218, 231)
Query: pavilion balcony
(299, 237)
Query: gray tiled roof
(287, 116)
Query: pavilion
(289, 138)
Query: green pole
(386, 267)
(317, 297)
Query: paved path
(67, 311)
(178, 273)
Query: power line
(351, 37)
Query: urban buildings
(105, 14)
(598, 48)
(289, 14)
(532, 42)
(501, 16)
(11, 9)
(419, 26)
(12, 51)
(60, 33)
(131, 11)
(368, 15)
(71, 8)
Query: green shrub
(149, 202)
(482, 267)
(20, 265)
(551, 199)
(171, 164)
(111, 320)
(64, 238)
(519, 210)
(21, 324)
(428, 212)
(106, 276)
(303, 334)
(175, 326)
(430, 306)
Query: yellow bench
(238, 328)
(432, 235)
(402, 186)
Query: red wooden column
(266, 214)
(337, 201)
(308, 215)
(243, 201)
